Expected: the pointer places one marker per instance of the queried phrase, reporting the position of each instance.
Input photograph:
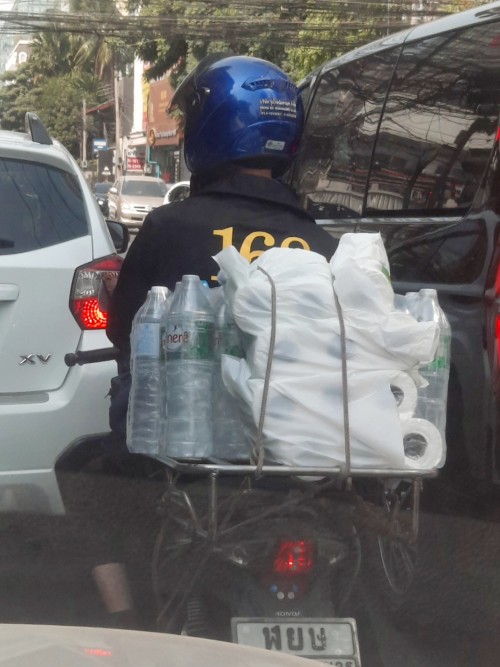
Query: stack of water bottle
(427, 418)
(178, 405)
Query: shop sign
(135, 163)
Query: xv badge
(32, 358)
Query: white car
(177, 192)
(55, 248)
(71, 646)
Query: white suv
(55, 248)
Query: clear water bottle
(432, 400)
(229, 436)
(146, 412)
(190, 364)
(412, 304)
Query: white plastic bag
(304, 418)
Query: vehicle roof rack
(36, 129)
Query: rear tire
(390, 562)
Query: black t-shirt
(249, 212)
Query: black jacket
(250, 212)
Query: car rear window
(41, 206)
(144, 188)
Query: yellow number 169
(246, 247)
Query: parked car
(401, 138)
(177, 192)
(132, 197)
(101, 190)
(56, 252)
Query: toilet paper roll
(405, 392)
(422, 443)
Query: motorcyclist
(243, 119)
(243, 122)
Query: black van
(401, 137)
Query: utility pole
(118, 127)
(84, 134)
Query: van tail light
(294, 557)
(91, 290)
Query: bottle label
(147, 340)
(192, 342)
(442, 359)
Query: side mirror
(113, 191)
(119, 235)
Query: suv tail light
(294, 557)
(89, 292)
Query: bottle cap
(159, 289)
(188, 279)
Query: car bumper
(132, 219)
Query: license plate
(333, 641)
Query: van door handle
(9, 292)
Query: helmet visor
(189, 95)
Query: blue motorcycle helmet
(239, 109)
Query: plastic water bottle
(229, 436)
(412, 304)
(190, 364)
(146, 413)
(432, 400)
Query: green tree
(296, 36)
(17, 96)
(59, 104)
(196, 29)
(63, 69)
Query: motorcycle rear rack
(335, 475)
(179, 506)
(227, 468)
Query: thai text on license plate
(333, 641)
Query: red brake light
(294, 557)
(89, 292)
(101, 652)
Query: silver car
(132, 197)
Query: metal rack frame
(220, 523)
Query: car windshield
(144, 188)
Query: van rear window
(40, 206)
(404, 132)
(439, 125)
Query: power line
(282, 29)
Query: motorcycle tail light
(294, 557)
(90, 291)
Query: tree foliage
(67, 66)
(297, 36)
(62, 69)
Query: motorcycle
(271, 556)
